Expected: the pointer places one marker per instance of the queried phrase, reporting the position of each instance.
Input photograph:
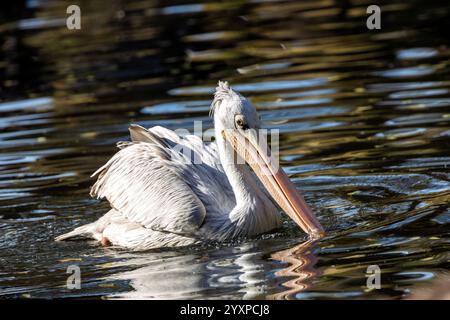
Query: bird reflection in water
(301, 270)
(169, 275)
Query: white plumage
(161, 197)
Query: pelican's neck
(239, 175)
(254, 213)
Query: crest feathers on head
(223, 90)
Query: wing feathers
(140, 182)
(140, 134)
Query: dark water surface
(364, 117)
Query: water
(364, 117)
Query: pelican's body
(167, 190)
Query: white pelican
(160, 198)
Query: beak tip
(317, 234)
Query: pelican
(159, 197)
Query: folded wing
(142, 182)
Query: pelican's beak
(256, 154)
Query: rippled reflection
(301, 269)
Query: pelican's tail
(85, 231)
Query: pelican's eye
(240, 122)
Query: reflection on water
(300, 270)
(228, 273)
(364, 125)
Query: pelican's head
(231, 110)
(239, 123)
